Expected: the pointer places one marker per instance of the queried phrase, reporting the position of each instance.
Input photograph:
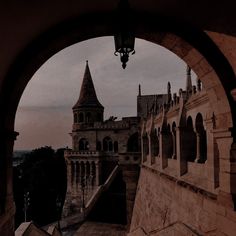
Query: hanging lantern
(124, 38)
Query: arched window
(107, 144)
(75, 118)
(99, 146)
(191, 137)
(201, 140)
(115, 146)
(133, 143)
(88, 117)
(83, 144)
(81, 117)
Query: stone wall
(163, 202)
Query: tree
(43, 175)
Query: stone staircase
(81, 216)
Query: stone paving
(100, 229)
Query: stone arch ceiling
(23, 24)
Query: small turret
(169, 93)
(139, 90)
(188, 81)
(87, 109)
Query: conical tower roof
(87, 97)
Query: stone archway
(191, 45)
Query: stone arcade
(201, 33)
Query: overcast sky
(44, 116)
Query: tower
(87, 109)
(188, 81)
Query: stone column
(75, 174)
(163, 151)
(69, 187)
(227, 157)
(80, 172)
(7, 205)
(151, 149)
(181, 141)
(198, 147)
(98, 173)
(212, 163)
(174, 144)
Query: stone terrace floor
(100, 229)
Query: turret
(169, 93)
(188, 81)
(87, 109)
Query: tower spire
(139, 90)
(169, 92)
(87, 97)
(188, 80)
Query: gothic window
(107, 144)
(83, 144)
(115, 146)
(81, 117)
(201, 140)
(133, 143)
(191, 137)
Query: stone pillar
(7, 205)
(69, 187)
(98, 173)
(227, 157)
(181, 141)
(151, 149)
(80, 172)
(163, 150)
(198, 147)
(174, 144)
(75, 174)
(212, 163)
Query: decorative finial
(168, 88)
(139, 90)
(87, 62)
(188, 70)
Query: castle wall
(162, 203)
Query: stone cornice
(196, 100)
